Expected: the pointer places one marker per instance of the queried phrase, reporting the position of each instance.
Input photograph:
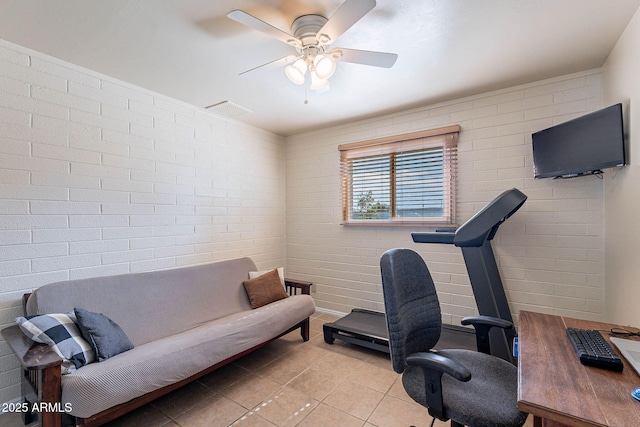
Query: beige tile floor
(288, 383)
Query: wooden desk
(557, 389)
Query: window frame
(445, 137)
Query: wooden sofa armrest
(293, 286)
(25, 297)
(31, 355)
(42, 376)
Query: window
(405, 179)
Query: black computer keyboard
(593, 349)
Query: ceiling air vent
(227, 109)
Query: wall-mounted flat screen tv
(582, 146)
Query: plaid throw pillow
(60, 332)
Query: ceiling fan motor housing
(305, 28)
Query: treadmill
(368, 328)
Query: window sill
(373, 223)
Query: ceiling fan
(312, 37)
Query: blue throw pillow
(104, 335)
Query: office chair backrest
(414, 321)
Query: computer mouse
(636, 393)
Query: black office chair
(479, 389)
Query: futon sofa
(182, 323)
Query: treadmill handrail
(480, 227)
(484, 224)
(445, 237)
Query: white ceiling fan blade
(257, 24)
(348, 14)
(365, 57)
(273, 64)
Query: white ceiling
(190, 50)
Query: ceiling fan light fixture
(317, 83)
(324, 66)
(296, 72)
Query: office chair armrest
(487, 320)
(433, 366)
(439, 363)
(483, 325)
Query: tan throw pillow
(254, 274)
(264, 289)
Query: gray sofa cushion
(164, 361)
(160, 298)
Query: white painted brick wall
(98, 177)
(550, 253)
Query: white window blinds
(405, 179)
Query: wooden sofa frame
(42, 379)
